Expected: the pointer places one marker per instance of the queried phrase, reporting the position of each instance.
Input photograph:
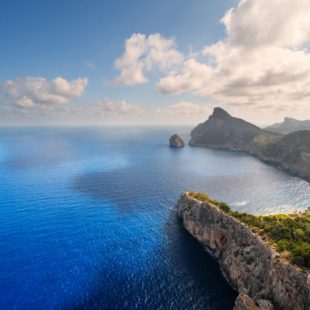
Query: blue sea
(88, 220)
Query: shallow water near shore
(88, 221)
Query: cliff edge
(291, 152)
(252, 265)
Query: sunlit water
(87, 217)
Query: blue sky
(83, 39)
(51, 38)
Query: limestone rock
(176, 141)
(265, 304)
(245, 302)
(291, 152)
(250, 264)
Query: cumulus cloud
(281, 23)
(143, 53)
(27, 91)
(263, 62)
(192, 76)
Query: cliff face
(221, 130)
(291, 152)
(224, 131)
(251, 265)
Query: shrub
(200, 196)
(290, 233)
(224, 207)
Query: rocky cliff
(291, 152)
(252, 266)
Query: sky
(155, 62)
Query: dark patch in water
(191, 279)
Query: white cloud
(27, 91)
(192, 76)
(261, 69)
(24, 102)
(281, 23)
(117, 107)
(263, 63)
(143, 53)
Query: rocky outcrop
(245, 302)
(291, 152)
(176, 141)
(252, 266)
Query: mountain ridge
(289, 125)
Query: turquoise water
(88, 221)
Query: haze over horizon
(155, 63)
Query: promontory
(291, 152)
(266, 258)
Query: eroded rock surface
(245, 302)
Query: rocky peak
(220, 113)
(224, 130)
(289, 120)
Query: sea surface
(87, 217)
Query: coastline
(251, 264)
(257, 156)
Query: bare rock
(176, 141)
(245, 302)
(265, 304)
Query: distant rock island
(289, 125)
(176, 141)
(291, 152)
(256, 253)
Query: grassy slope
(290, 233)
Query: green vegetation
(205, 198)
(290, 233)
(200, 196)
